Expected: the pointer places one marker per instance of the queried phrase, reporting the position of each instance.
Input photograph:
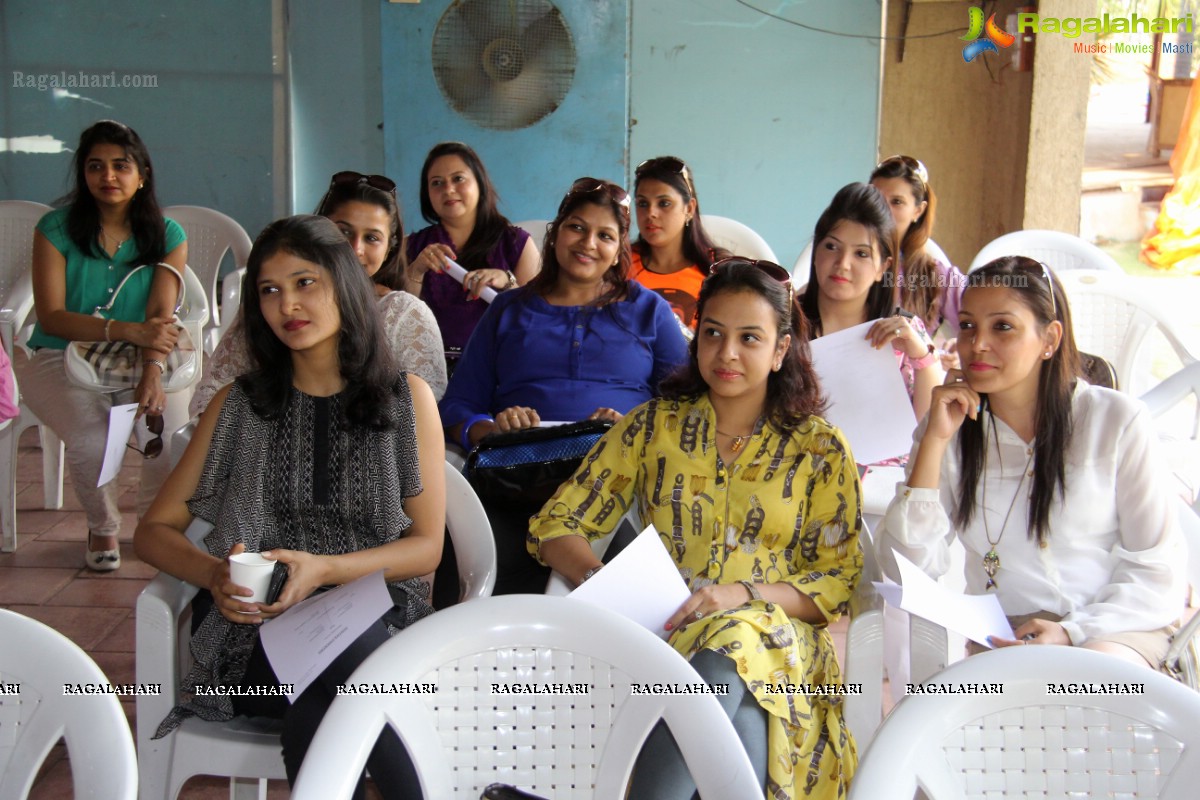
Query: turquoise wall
(772, 118)
(207, 123)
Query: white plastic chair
(210, 234)
(1113, 315)
(536, 228)
(464, 736)
(739, 239)
(248, 750)
(1060, 251)
(1027, 742)
(41, 661)
(864, 638)
(17, 221)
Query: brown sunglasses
(769, 268)
(154, 447)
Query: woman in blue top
(581, 341)
(80, 254)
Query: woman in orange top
(672, 253)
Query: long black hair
(1039, 290)
(364, 358)
(864, 204)
(794, 392)
(698, 249)
(605, 194)
(391, 273)
(145, 216)
(490, 224)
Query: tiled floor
(45, 579)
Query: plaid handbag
(522, 469)
(113, 366)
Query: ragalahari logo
(994, 33)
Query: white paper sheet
(976, 616)
(641, 583)
(305, 639)
(120, 428)
(867, 398)
(458, 272)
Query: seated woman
(927, 286)
(458, 199)
(325, 457)
(579, 342)
(81, 254)
(851, 280)
(756, 498)
(365, 210)
(672, 253)
(1017, 442)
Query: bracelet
(924, 361)
(107, 327)
(463, 438)
(162, 367)
(512, 280)
(591, 572)
(752, 589)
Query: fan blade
(549, 46)
(485, 19)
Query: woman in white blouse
(365, 210)
(1052, 485)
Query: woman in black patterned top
(325, 458)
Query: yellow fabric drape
(1174, 242)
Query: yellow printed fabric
(787, 510)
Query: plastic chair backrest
(1060, 251)
(738, 238)
(211, 234)
(466, 735)
(17, 221)
(1034, 737)
(41, 663)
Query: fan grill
(503, 64)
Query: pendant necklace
(991, 559)
(737, 442)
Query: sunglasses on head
(348, 177)
(589, 185)
(154, 447)
(670, 164)
(911, 164)
(769, 268)
(1049, 285)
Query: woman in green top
(112, 223)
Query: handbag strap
(182, 287)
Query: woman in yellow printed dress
(757, 500)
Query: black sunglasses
(769, 268)
(911, 164)
(154, 447)
(589, 185)
(670, 164)
(381, 182)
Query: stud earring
(1048, 354)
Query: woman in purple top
(458, 198)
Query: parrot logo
(994, 33)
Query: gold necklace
(991, 559)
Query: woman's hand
(306, 574)
(1035, 631)
(709, 600)
(952, 402)
(150, 397)
(949, 356)
(898, 330)
(226, 593)
(478, 279)
(432, 259)
(607, 414)
(517, 418)
(157, 333)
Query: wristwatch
(512, 280)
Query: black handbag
(521, 470)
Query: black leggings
(389, 764)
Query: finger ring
(698, 615)
(897, 331)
